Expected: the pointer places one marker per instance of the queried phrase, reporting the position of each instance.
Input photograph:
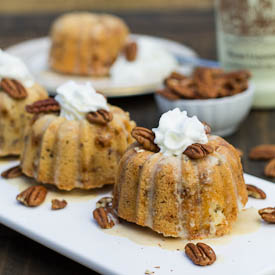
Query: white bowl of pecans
(221, 99)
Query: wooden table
(18, 254)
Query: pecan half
(200, 254)
(234, 87)
(255, 192)
(130, 51)
(184, 88)
(239, 76)
(207, 128)
(269, 170)
(13, 172)
(145, 137)
(43, 106)
(58, 204)
(167, 93)
(205, 81)
(268, 214)
(32, 196)
(197, 151)
(240, 152)
(101, 117)
(175, 75)
(233, 82)
(105, 202)
(13, 88)
(105, 217)
(264, 151)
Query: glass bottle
(246, 40)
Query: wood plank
(195, 28)
(34, 6)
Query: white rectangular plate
(73, 233)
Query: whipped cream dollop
(153, 62)
(76, 100)
(13, 67)
(177, 131)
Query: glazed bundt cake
(86, 44)
(81, 146)
(17, 90)
(179, 181)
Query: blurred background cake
(86, 44)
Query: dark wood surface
(18, 254)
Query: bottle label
(254, 53)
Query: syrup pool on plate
(76, 195)
(248, 222)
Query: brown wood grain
(27, 6)
(20, 255)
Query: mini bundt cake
(17, 90)
(179, 181)
(86, 44)
(80, 147)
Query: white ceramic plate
(35, 55)
(73, 233)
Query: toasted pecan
(13, 88)
(32, 196)
(58, 204)
(185, 88)
(105, 217)
(131, 50)
(205, 81)
(237, 75)
(269, 170)
(43, 106)
(145, 137)
(197, 150)
(12, 172)
(255, 192)
(101, 117)
(200, 254)
(207, 128)
(240, 152)
(175, 75)
(268, 214)
(168, 94)
(263, 151)
(234, 82)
